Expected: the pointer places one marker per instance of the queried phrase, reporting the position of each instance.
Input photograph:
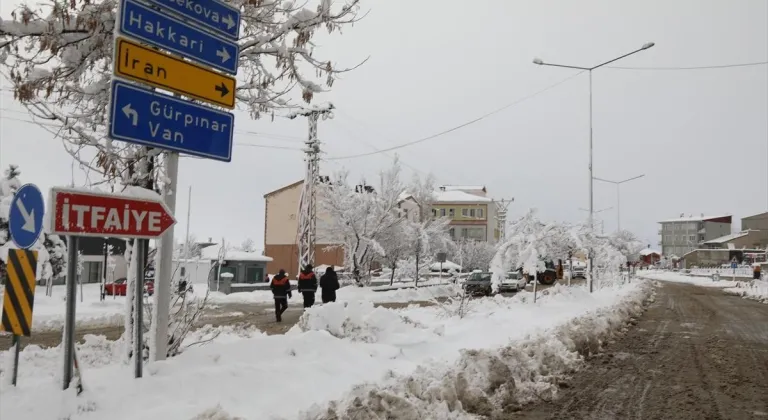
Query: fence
(724, 272)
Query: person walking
(308, 285)
(329, 282)
(281, 292)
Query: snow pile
(490, 382)
(360, 321)
(756, 289)
(682, 278)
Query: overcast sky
(699, 136)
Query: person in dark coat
(308, 285)
(329, 282)
(281, 292)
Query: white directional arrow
(29, 217)
(223, 54)
(131, 113)
(229, 21)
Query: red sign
(86, 213)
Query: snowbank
(682, 278)
(757, 290)
(415, 355)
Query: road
(695, 354)
(260, 315)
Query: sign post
(94, 214)
(203, 37)
(25, 223)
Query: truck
(549, 276)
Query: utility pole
(307, 213)
(501, 217)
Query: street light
(618, 196)
(541, 62)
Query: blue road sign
(213, 14)
(157, 120)
(25, 221)
(169, 33)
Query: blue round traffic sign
(25, 221)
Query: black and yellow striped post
(19, 299)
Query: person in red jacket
(308, 285)
(281, 292)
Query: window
(465, 212)
(254, 274)
(442, 212)
(477, 234)
(93, 274)
(480, 213)
(434, 212)
(471, 212)
(450, 212)
(229, 269)
(692, 238)
(452, 233)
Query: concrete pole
(163, 268)
(138, 313)
(591, 183)
(69, 324)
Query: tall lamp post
(618, 196)
(589, 69)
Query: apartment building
(472, 213)
(686, 233)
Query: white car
(514, 282)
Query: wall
(757, 222)
(281, 225)
(286, 257)
(715, 230)
(196, 270)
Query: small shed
(650, 256)
(248, 271)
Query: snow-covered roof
(212, 253)
(728, 238)
(458, 197)
(692, 218)
(649, 251)
(462, 187)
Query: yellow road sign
(145, 65)
(19, 292)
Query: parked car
(514, 282)
(479, 283)
(119, 287)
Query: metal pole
(189, 215)
(618, 207)
(591, 182)
(138, 319)
(69, 323)
(158, 345)
(16, 349)
(104, 269)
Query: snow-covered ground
(684, 278)
(752, 289)
(409, 363)
(757, 290)
(49, 311)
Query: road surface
(260, 315)
(695, 354)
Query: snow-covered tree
(428, 235)
(471, 254)
(359, 216)
(394, 247)
(248, 245)
(627, 243)
(51, 250)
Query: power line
(458, 127)
(264, 146)
(722, 66)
